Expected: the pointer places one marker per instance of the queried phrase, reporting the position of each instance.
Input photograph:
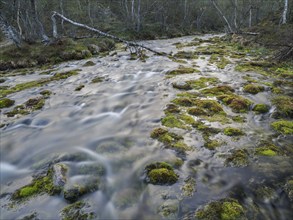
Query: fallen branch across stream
(129, 44)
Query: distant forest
(30, 20)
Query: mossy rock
(6, 103)
(211, 144)
(46, 93)
(203, 82)
(77, 210)
(229, 131)
(283, 127)
(173, 121)
(284, 106)
(160, 173)
(261, 108)
(211, 107)
(182, 101)
(79, 88)
(226, 209)
(39, 185)
(171, 108)
(182, 85)
(29, 106)
(267, 149)
(238, 158)
(182, 70)
(89, 63)
(97, 79)
(218, 90)
(253, 88)
(238, 104)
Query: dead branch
(128, 43)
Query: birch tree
(284, 17)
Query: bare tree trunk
(89, 12)
(18, 18)
(250, 15)
(235, 14)
(223, 16)
(9, 31)
(185, 9)
(62, 12)
(138, 22)
(284, 19)
(128, 43)
(132, 10)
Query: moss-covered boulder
(39, 185)
(6, 103)
(267, 149)
(284, 106)
(226, 209)
(283, 127)
(260, 108)
(238, 158)
(160, 173)
(237, 103)
(229, 131)
(77, 210)
(182, 70)
(253, 88)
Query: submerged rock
(59, 174)
(288, 188)
(239, 158)
(6, 103)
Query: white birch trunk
(224, 17)
(284, 20)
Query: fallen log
(129, 44)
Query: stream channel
(102, 133)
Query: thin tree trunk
(62, 12)
(128, 43)
(284, 20)
(223, 16)
(89, 12)
(132, 10)
(138, 23)
(250, 15)
(18, 18)
(39, 26)
(235, 14)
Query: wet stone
(78, 210)
(59, 176)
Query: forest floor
(204, 133)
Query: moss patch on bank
(37, 83)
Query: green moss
(27, 107)
(229, 131)
(160, 173)
(39, 185)
(219, 60)
(182, 70)
(77, 210)
(173, 121)
(218, 90)
(283, 127)
(267, 149)
(182, 101)
(284, 106)
(6, 103)
(37, 83)
(202, 82)
(239, 119)
(211, 144)
(211, 107)
(171, 108)
(98, 79)
(226, 209)
(46, 93)
(80, 87)
(186, 55)
(187, 119)
(239, 158)
(251, 68)
(157, 132)
(261, 108)
(253, 88)
(238, 104)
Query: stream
(108, 124)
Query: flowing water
(109, 124)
